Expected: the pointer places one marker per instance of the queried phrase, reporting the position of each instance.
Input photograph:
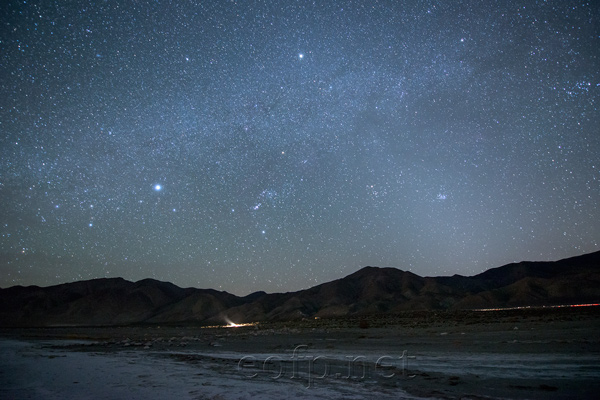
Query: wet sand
(519, 354)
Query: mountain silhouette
(371, 290)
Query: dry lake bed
(514, 354)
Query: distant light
(157, 188)
(230, 325)
(300, 56)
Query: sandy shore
(519, 354)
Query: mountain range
(371, 290)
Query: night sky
(276, 145)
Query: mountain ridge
(369, 290)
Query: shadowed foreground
(532, 353)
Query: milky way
(275, 145)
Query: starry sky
(276, 145)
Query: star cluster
(266, 145)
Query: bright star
(300, 56)
(157, 188)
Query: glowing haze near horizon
(276, 145)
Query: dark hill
(511, 273)
(371, 290)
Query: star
(354, 138)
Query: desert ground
(514, 354)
